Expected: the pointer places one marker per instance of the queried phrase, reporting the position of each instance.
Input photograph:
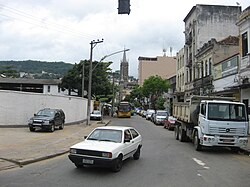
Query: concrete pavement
(19, 146)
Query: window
(210, 66)
(48, 88)
(244, 44)
(203, 109)
(206, 67)
(220, 111)
(127, 134)
(134, 133)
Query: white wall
(17, 107)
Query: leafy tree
(136, 95)
(159, 104)
(154, 87)
(9, 71)
(100, 83)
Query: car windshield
(221, 111)
(49, 113)
(162, 113)
(96, 112)
(106, 135)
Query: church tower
(124, 69)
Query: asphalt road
(164, 162)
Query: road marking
(199, 162)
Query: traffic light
(123, 6)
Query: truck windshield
(226, 111)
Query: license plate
(87, 161)
(226, 140)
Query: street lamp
(92, 45)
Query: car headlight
(30, 121)
(107, 155)
(47, 122)
(73, 151)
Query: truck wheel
(182, 134)
(176, 132)
(197, 145)
(235, 149)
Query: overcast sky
(61, 30)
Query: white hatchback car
(107, 146)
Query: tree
(159, 103)
(136, 95)
(9, 71)
(154, 87)
(100, 83)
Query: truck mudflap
(223, 141)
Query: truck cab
(222, 123)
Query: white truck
(211, 121)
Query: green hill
(31, 66)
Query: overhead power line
(40, 22)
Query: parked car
(143, 113)
(160, 117)
(149, 113)
(152, 117)
(170, 123)
(107, 146)
(96, 115)
(47, 119)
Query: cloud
(61, 30)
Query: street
(164, 162)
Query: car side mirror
(34, 114)
(85, 137)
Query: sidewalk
(19, 146)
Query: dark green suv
(47, 119)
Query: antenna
(171, 49)
(164, 51)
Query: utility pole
(92, 45)
(113, 93)
(82, 78)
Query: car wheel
(79, 165)
(197, 145)
(61, 126)
(52, 128)
(118, 164)
(176, 132)
(32, 129)
(137, 154)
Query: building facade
(202, 23)
(163, 66)
(243, 77)
(45, 86)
